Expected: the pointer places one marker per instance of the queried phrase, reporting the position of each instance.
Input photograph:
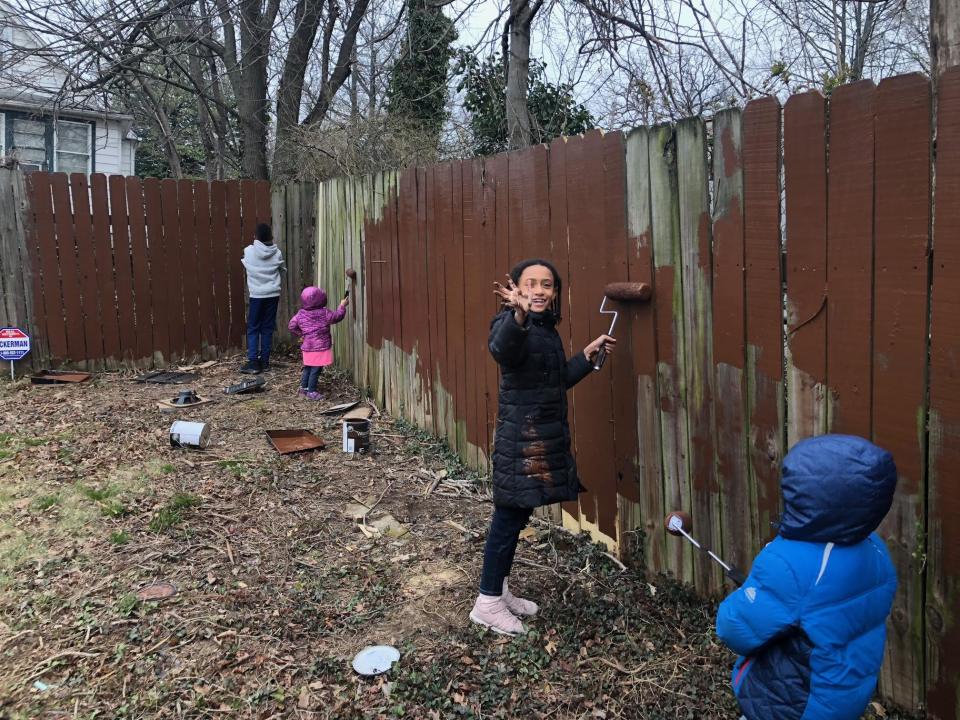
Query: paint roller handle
(597, 351)
(600, 358)
(736, 576)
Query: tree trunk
(252, 99)
(518, 71)
(290, 90)
(944, 35)
(163, 123)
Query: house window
(72, 147)
(30, 143)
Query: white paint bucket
(189, 434)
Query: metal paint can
(189, 434)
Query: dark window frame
(48, 120)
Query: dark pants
(261, 322)
(501, 546)
(309, 377)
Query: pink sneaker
(518, 606)
(302, 392)
(492, 612)
(314, 395)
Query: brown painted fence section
(124, 270)
(802, 285)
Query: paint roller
(679, 523)
(352, 274)
(619, 292)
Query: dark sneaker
(251, 368)
(265, 367)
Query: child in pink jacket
(312, 322)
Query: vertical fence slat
(850, 257)
(224, 260)
(173, 258)
(87, 265)
(560, 252)
(123, 266)
(665, 219)
(190, 258)
(617, 508)
(729, 333)
(943, 531)
(591, 265)
(31, 279)
(474, 284)
(486, 303)
(902, 227)
(64, 256)
(805, 171)
(159, 288)
(14, 300)
(642, 348)
(235, 244)
(140, 255)
(105, 279)
(764, 302)
(695, 245)
(439, 248)
(206, 267)
(41, 192)
(37, 190)
(456, 322)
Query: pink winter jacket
(313, 320)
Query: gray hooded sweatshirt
(263, 264)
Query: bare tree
(245, 61)
(685, 57)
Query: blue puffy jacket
(810, 621)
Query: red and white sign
(14, 343)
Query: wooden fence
(805, 281)
(123, 270)
(802, 285)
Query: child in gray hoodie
(263, 262)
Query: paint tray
(294, 441)
(56, 377)
(163, 377)
(247, 386)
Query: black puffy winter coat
(532, 463)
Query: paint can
(189, 434)
(356, 436)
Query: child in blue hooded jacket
(809, 623)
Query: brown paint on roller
(352, 274)
(628, 291)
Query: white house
(43, 132)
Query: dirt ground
(278, 586)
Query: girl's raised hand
(512, 297)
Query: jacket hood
(836, 488)
(264, 252)
(312, 298)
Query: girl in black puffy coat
(532, 463)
